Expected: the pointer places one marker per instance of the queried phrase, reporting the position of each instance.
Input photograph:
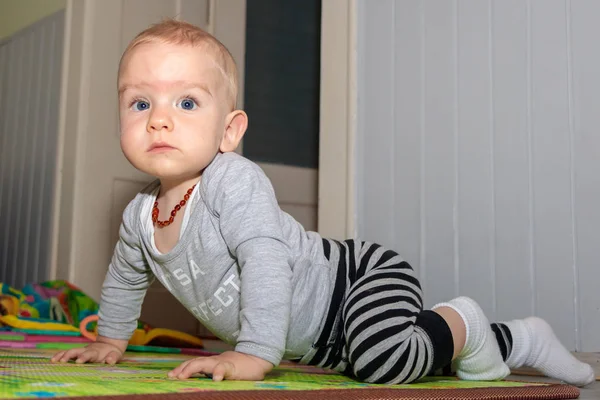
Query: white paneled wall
(478, 153)
(30, 69)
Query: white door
(96, 181)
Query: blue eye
(140, 105)
(188, 104)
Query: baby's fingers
(180, 367)
(88, 355)
(197, 365)
(68, 355)
(223, 370)
(58, 356)
(112, 358)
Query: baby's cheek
(129, 145)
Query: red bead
(177, 207)
(186, 197)
(171, 219)
(182, 203)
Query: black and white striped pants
(376, 329)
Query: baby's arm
(123, 291)
(251, 225)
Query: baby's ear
(236, 123)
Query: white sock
(480, 358)
(535, 345)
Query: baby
(210, 229)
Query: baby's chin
(167, 166)
(173, 173)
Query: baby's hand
(94, 353)
(229, 365)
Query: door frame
(337, 150)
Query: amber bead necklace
(167, 222)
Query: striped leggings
(376, 329)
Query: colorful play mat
(28, 373)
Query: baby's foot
(535, 345)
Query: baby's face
(172, 110)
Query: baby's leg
(389, 338)
(531, 342)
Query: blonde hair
(171, 31)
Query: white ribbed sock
(535, 345)
(480, 358)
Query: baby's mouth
(160, 147)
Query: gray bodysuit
(246, 269)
